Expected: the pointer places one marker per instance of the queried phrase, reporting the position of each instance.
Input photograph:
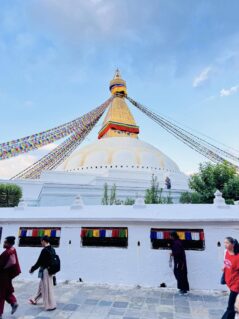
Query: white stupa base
(57, 188)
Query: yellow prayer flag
(47, 232)
(96, 233)
(181, 235)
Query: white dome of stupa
(119, 153)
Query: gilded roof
(119, 112)
(118, 121)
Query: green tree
(105, 199)
(113, 195)
(190, 198)
(129, 201)
(231, 189)
(119, 202)
(167, 200)
(10, 195)
(153, 195)
(211, 177)
(110, 199)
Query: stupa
(118, 157)
(119, 149)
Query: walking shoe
(51, 309)
(14, 308)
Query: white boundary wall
(135, 264)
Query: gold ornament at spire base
(118, 85)
(119, 122)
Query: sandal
(32, 302)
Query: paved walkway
(80, 301)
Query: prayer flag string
(40, 232)
(104, 232)
(183, 235)
(35, 141)
(61, 152)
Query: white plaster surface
(126, 162)
(59, 188)
(135, 264)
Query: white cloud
(77, 19)
(230, 91)
(190, 173)
(48, 147)
(202, 77)
(12, 166)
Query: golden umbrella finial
(117, 73)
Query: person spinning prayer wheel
(180, 263)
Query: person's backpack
(55, 263)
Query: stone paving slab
(81, 301)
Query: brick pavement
(81, 301)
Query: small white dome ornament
(78, 203)
(139, 203)
(219, 201)
(21, 205)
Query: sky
(179, 58)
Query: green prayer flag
(41, 232)
(122, 233)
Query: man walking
(46, 280)
(9, 269)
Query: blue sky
(180, 58)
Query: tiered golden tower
(119, 122)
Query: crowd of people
(10, 268)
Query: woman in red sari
(231, 273)
(9, 269)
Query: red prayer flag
(166, 235)
(115, 233)
(35, 233)
(83, 232)
(202, 235)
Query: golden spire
(119, 122)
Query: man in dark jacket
(46, 283)
(9, 269)
(180, 264)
